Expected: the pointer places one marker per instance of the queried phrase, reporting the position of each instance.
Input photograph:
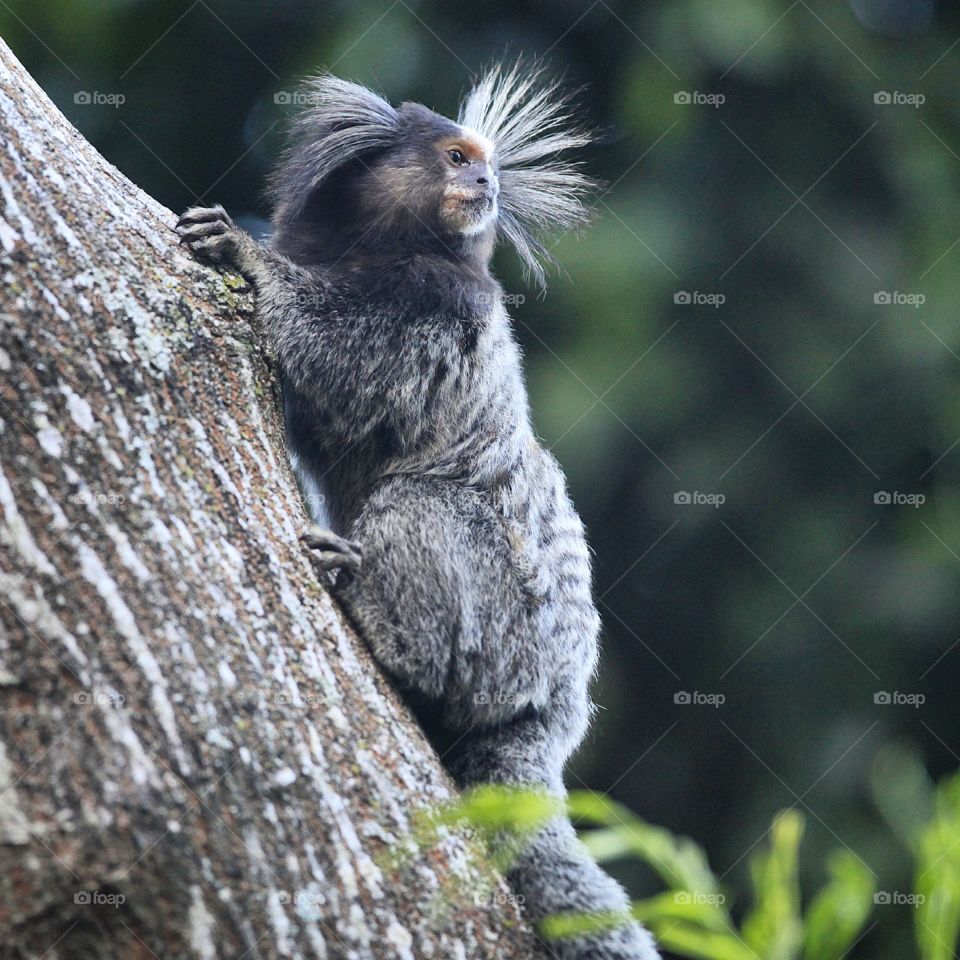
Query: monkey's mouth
(470, 201)
(470, 211)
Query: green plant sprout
(690, 918)
(927, 820)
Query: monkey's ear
(339, 121)
(531, 124)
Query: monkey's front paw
(212, 236)
(331, 552)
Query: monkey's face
(440, 179)
(470, 187)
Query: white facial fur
(469, 220)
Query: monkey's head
(361, 173)
(436, 178)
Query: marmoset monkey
(461, 558)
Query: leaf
(682, 906)
(678, 860)
(937, 870)
(704, 944)
(773, 927)
(562, 926)
(493, 808)
(839, 911)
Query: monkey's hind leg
(328, 551)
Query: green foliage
(773, 927)
(840, 910)
(679, 862)
(902, 789)
(937, 879)
(937, 876)
(690, 918)
(492, 808)
(565, 925)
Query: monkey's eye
(457, 157)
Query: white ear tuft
(529, 120)
(340, 120)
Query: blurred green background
(802, 185)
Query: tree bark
(197, 756)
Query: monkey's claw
(331, 552)
(211, 235)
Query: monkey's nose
(482, 180)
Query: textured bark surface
(197, 757)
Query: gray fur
(405, 401)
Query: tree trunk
(197, 756)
